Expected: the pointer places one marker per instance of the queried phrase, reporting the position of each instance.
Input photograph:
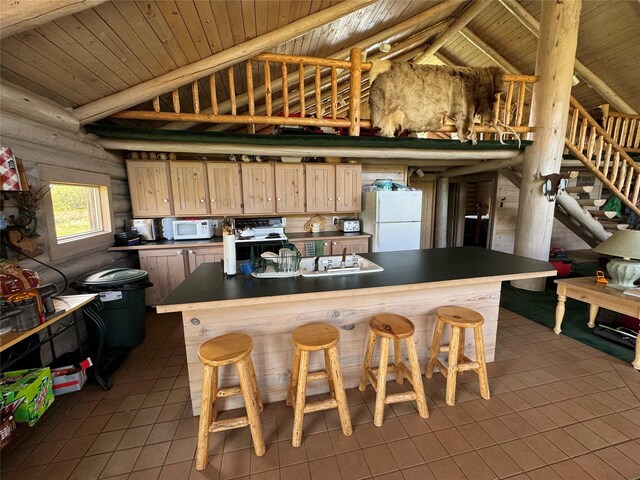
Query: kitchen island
(413, 284)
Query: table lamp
(626, 270)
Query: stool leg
(254, 383)
(461, 349)
(416, 377)
(301, 396)
(367, 361)
(335, 373)
(251, 405)
(435, 348)
(381, 389)
(452, 371)
(293, 381)
(327, 368)
(205, 417)
(397, 359)
(482, 365)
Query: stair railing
(607, 160)
(624, 129)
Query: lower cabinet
(168, 268)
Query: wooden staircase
(602, 156)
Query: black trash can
(122, 293)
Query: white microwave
(193, 229)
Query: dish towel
(313, 248)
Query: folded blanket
(313, 248)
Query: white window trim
(86, 242)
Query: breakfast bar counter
(413, 284)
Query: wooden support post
(334, 93)
(252, 105)
(355, 85)
(318, 87)
(267, 88)
(175, 96)
(196, 97)
(442, 209)
(232, 90)
(301, 88)
(285, 91)
(213, 94)
(550, 107)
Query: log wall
(38, 144)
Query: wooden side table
(585, 289)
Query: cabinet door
(321, 188)
(198, 256)
(188, 188)
(348, 188)
(166, 269)
(353, 245)
(149, 188)
(289, 188)
(225, 188)
(258, 188)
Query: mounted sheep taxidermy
(420, 98)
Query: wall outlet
(335, 220)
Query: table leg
(560, 312)
(593, 312)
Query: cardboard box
(68, 379)
(28, 393)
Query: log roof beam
(581, 70)
(17, 16)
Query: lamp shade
(623, 243)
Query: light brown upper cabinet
(258, 189)
(348, 188)
(321, 187)
(225, 188)
(149, 188)
(188, 188)
(290, 188)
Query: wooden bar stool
(217, 352)
(392, 327)
(311, 338)
(458, 318)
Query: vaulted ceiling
(93, 53)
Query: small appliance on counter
(349, 224)
(194, 229)
(149, 229)
(126, 239)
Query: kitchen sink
(332, 265)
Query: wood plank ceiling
(94, 53)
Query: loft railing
(332, 91)
(603, 156)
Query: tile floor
(559, 410)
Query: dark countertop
(217, 241)
(430, 268)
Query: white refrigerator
(393, 218)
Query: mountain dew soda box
(26, 393)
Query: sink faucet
(344, 258)
(315, 264)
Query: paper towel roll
(229, 246)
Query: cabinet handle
(269, 199)
(202, 200)
(278, 199)
(329, 198)
(191, 252)
(338, 198)
(213, 199)
(165, 200)
(334, 243)
(179, 252)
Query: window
(78, 211)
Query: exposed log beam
(21, 102)
(301, 151)
(181, 76)
(486, 166)
(366, 44)
(473, 10)
(19, 15)
(581, 70)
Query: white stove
(260, 230)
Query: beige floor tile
(421, 472)
(269, 461)
(181, 450)
(299, 471)
(565, 442)
(405, 453)
(325, 469)
(430, 447)
(393, 430)
(235, 464)
(379, 459)
(586, 437)
(318, 446)
(353, 465)
(446, 469)
(522, 455)
(453, 441)
(499, 461)
(473, 466)
(368, 435)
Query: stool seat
(225, 349)
(390, 325)
(315, 336)
(460, 317)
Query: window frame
(90, 241)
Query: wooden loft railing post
(318, 88)
(267, 88)
(355, 77)
(156, 104)
(196, 97)
(175, 95)
(301, 88)
(232, 90)
(285, 90)
(213, 94)
(334, 92)
(250, 97)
